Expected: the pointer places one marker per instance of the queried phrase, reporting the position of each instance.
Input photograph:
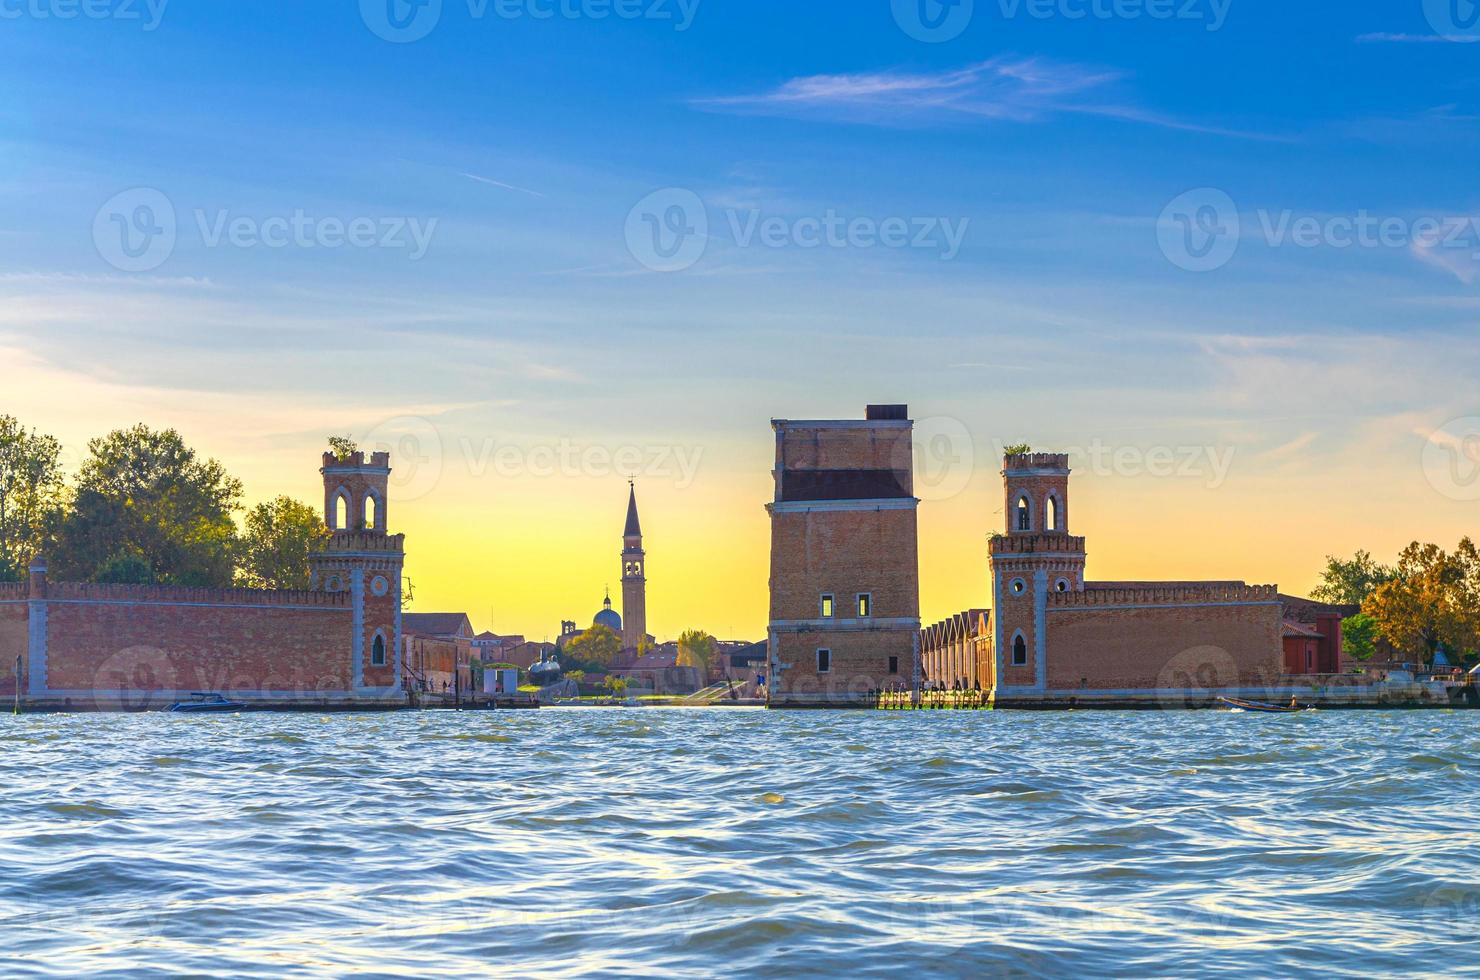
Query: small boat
(1274, 709)
(203, 701)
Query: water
(703, 842)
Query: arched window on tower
(372, 512)
(1051, 516)
(1024, 515)
(377, 651)
(1019, 651)
(339, 516)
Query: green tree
(1434, 600)
(33, 495)
(1017, 449)
(597, 647)
(343, 447)
(617, 685)
(696, 649)
(1351, 582)
(146, 494)
(1359, 636)
(279, 537)
(128, 567)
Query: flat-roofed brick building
(845, 587)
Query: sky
(1221, 251)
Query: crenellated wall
(89, 645)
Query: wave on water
(655, 841)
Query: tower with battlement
(363, 559)
(1034, 558)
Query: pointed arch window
(1024, 514)
(377, 651)
(339, 512)
(1051, 514)
(1019, 651)
(372, 512)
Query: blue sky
(520, 146)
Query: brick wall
(139, 647)
(1166, 645)
(13, 626)
(860, 665)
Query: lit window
(1024, 515)
(339, 516)
(824, 661)
(377, 652)
(1019, 651)
(1052, 522)
(827, 607)
(372, 513)
(865, 605)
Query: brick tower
(634, 577)
(362, 559)
(845, 586)
(1033, 558)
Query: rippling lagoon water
(699, 842)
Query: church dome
(608, 617)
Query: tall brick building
(845, 589)
(86, 645)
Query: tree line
(144, 508)
(1428, 601)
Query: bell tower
(1035, 557)
(363, 559)
(634, 577)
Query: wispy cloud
(1008, 89)
(498, 183)
(1460, 263)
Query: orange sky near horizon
(520, 536)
